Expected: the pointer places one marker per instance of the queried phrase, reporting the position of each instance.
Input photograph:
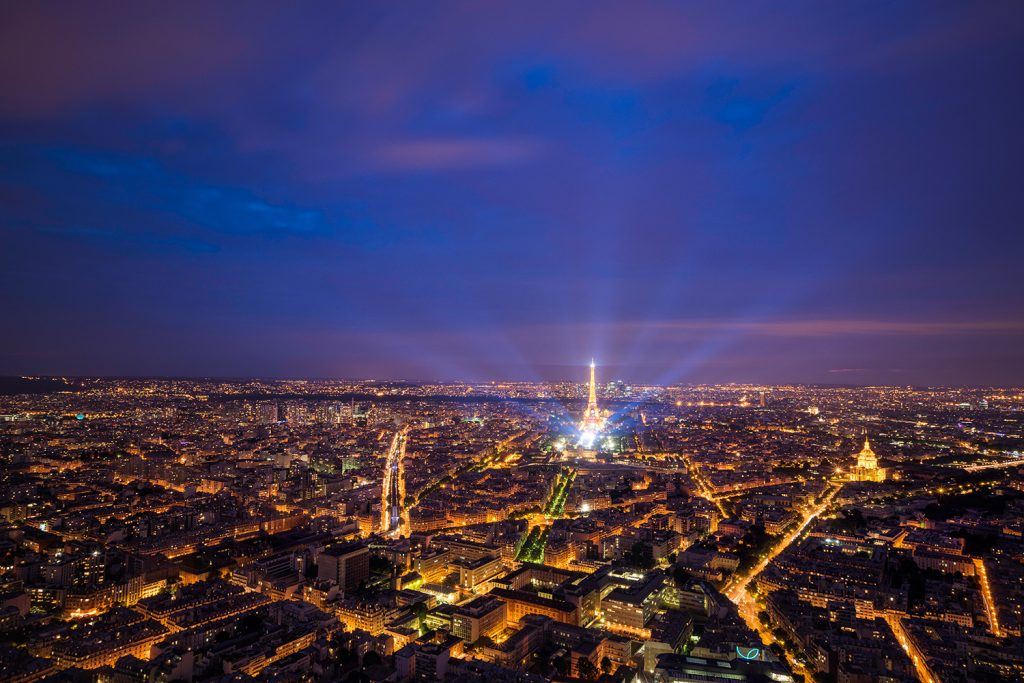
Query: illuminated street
(746, 601)
(394, 515)
(737, 590)
(524, 342)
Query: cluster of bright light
(590, 427)
(986, 593)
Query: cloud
(55, 58)
(133, 186)
(441, 154)
(854, 371)
(833, 328)
(807, 328)
(120, 238)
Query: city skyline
(350, 191)
(512, 342)
(640, 375)
(171, 529)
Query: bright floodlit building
(867, 468)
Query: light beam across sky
(816, 192)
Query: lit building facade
(867, 468)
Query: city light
(626, 342)
(416, 493)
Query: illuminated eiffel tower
(592, 421)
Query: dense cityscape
(205, 530)
(585, 341)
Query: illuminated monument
(867, 468)
(592, 422)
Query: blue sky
(772, 192)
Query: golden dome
(867, 468)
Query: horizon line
(454, 382)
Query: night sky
(822, 192)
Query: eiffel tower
(592, 421)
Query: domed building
(867, 468)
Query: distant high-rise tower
(592, 421)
